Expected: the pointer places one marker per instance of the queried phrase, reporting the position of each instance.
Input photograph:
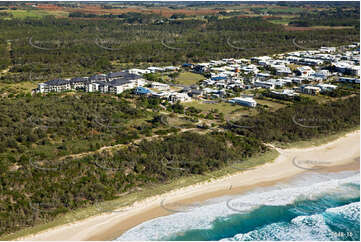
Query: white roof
(159, 84)
(327, 85)
(245, 99)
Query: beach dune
(341, 154)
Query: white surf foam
(309, 186)
(350, 211)
(302, 228)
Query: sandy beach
(340, 154)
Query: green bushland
(302, 121)
(31, 195)
(331, 17)
(37, 186)
(126, 199)
(57, 125)
(76, 47)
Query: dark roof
(186, 89)
(116, 74)
(122, 78)
(98, 77)
(123, 75)
(79, 79)
(118, 82)
(101, 83)
(197, 92)
(57, 82)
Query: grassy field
(230, 111)
(16, 88)
(284, 20)
(318, 98)
(151, 190)
(273, 105)
(35, 13)
(189, 78)
(205, 107)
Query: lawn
(189, 78)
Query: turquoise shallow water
(311, 207)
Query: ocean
(312, 206)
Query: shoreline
(108, 226)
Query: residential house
(138, 71)
(263, 76)
(201, 67)
(311, 90)
(282, 70)
(196, 93)
(161, 94)
(182, 97)
(244, 101)
(153, 69)
(188, 65)
(261, 59)
(250, 68)
(323, 74)
(347, 68)
(160, 86)
(349, 80)
(304, 71)
(264, 84)
(285, 92)
(327, 49)
(171, 68)
(326, 87)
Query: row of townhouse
(304, 61)
(309, 73)
(114, 82)
(116, 86)
(153, 69)
(223, 82)
(168, 95)
(273, 83)
(285, 92)
(349, 80)
(348, 68)
(314, 90)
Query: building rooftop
(57, 82)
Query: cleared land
(229, 110)
(189, 78)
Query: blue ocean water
(313, 206)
